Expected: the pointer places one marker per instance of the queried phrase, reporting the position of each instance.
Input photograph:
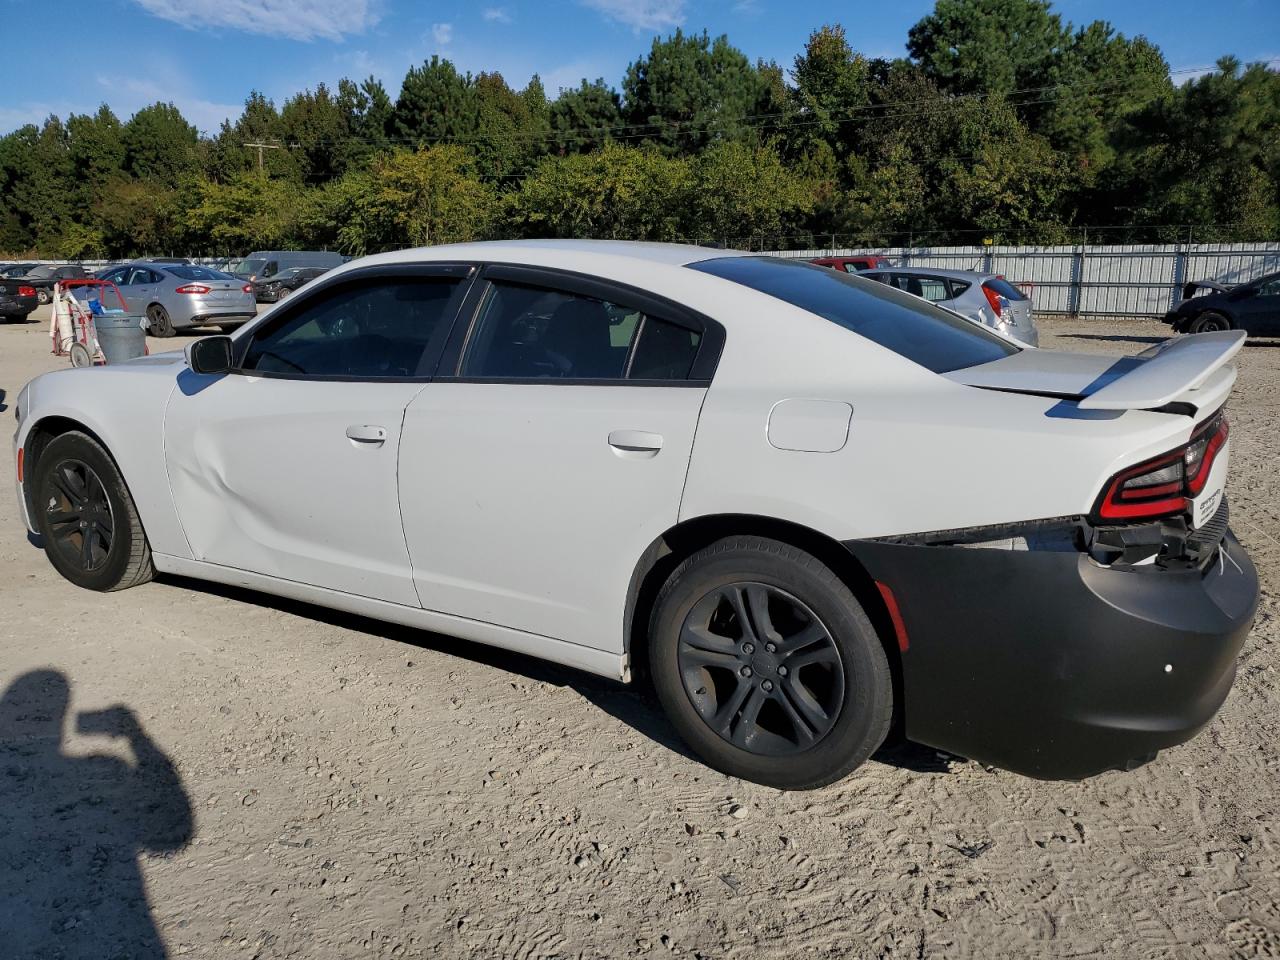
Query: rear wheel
(92, 534)
(158, 321)
(43, 296)
(1210, 321)
(767, 665)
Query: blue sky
(206, 55)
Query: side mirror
(210, 355)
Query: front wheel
(43, 296)
(767, 665)
(92, 534)
(1210, 321)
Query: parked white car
(814, 507)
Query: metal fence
(1137, 280)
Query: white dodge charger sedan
(813, 508)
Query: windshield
(197, 273)
(246, 268)
(913, 328)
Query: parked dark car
(853, 264)
(284, 283)
(1252, 306)
(43, 276)
(17, 300)
(12, 271)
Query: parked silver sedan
(986, 298)
(178, 295)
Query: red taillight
(196, 288)
(26, 291)
(247, 288)
(993, 298)
(1161, 486)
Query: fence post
(1077, 278)
(1180, 258)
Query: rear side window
(535, 333)
(1002, 287)
(958, 287)
(930, 336)
(370, 330)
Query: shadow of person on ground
(72, 828)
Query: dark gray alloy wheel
(87, 517)
(43, 295)
(761, 669)
(158, 321)
(768, 666)
(78, 516)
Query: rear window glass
(1005, 289)
(934, 338)
(197, 273)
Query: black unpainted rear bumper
(1051, 665)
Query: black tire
(801, 592)
(1209, 321)
(43, 295)
(77, 484)
(158, 321)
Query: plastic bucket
(120, 336)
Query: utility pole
(260, 147)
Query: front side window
(930, 336)
(535, 333)
(1270, 289)
(372, 329)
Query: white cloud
(442, 34)
(295, 19)
(496, 15)
(641, 14)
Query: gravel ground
(282, 781)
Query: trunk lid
(1193, 370)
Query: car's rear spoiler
(1167, 371)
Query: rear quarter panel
(922, 453)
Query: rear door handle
(635, 441)
(367, 433)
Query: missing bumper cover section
(1165, 543)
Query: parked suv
(265, 264)
(986, 298)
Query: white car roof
(556, 252)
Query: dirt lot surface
(289, 782)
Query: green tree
(585, 117)
(988, 46)
(160, 145)
(617, 192)
(690, 92)
(436, 104)
(745, 194)
(428, 196)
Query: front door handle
(367, 433)
(635, 441)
